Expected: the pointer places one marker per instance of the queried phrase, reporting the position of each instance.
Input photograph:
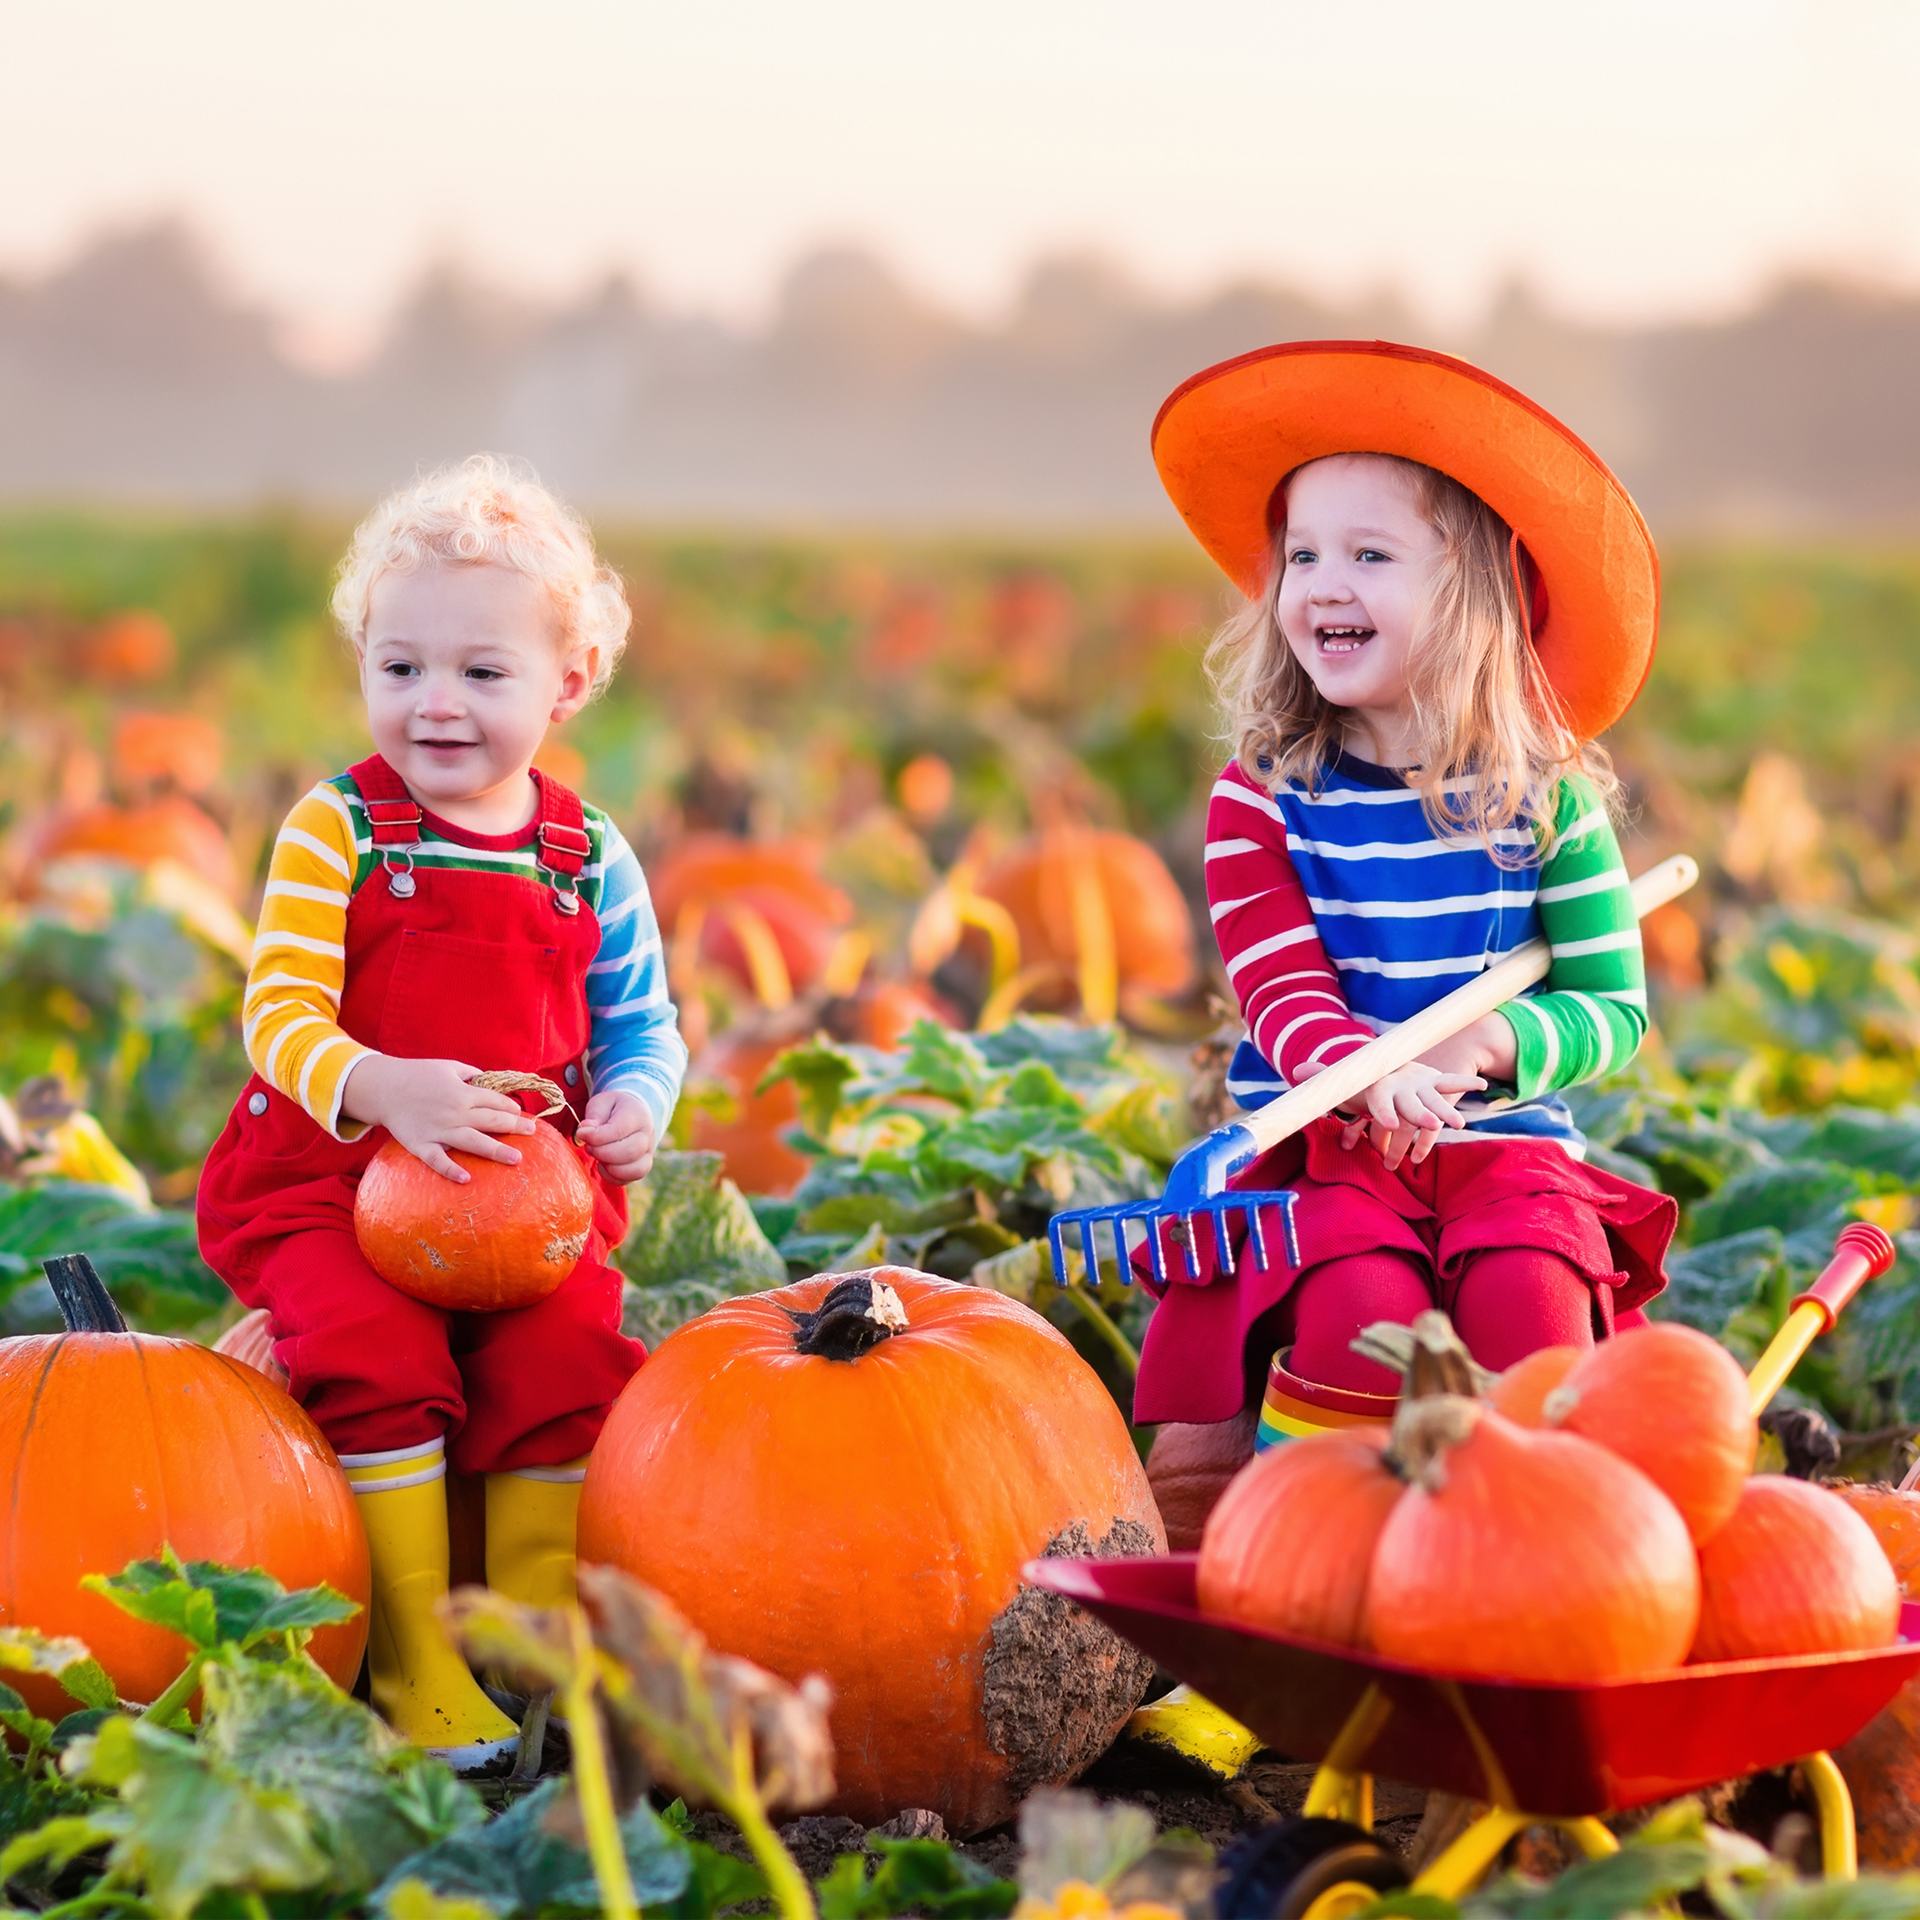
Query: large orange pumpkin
(845, 1477)
(115, 1444)
(172, 828)
(1061, 880)
(758, 1159)
(505, 1239)
(1526, 1554)
(1675, 1404)
(1795, 1570)
(1292, 1542)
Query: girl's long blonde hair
(1493, 744)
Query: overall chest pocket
(486, 1002)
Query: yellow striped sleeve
(292, 1010)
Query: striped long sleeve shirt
(324, 852)
(1340, 913)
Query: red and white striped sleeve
(1288, 991)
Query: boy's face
(463, 673)
(1358, 560)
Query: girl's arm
(635, 1045)
(290, 1015)
(1288, 991)
(1590, 1015)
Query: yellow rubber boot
(532, 1517)
(421, 1685)
(1184, 1723)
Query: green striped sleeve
(1590, 1014)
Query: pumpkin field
(922, 825)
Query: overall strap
(394, 818)
(562, 843)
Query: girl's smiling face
(464, 671)
(1357, 559)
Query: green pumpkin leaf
(286, 1729)
(211, 1605)
(690, 1223)
(194, 1824)
(1707, 1285)
(55, 1842)
(715, 1882)
(819, 1073)
(1791, 1195)
(515, 1866)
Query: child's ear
(576, 684)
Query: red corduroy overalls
(485, 968)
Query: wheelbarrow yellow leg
(1839, 1846)
(1465, 1864)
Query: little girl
(438, 911)
(1449, 595)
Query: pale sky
(1632, 158)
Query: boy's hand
(428, 1106)
(1406, 1110)
(617, 1129)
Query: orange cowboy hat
(1225, 440)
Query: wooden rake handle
(1503, 981)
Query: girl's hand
(617, 1129)
(428, 1106)
(1406, 1110)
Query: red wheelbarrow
(1539, 1755)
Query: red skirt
(1462, 1200)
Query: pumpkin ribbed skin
(1528, 1555)
(1895, 1519)
(1794, 1570)
(1291, 1543)
(505, 1239)
(1519, 1392)
(1674, 1403)
(116, 1444)
(867, 1519)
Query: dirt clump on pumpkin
(1060, 1684)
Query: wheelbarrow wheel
(1306, 1870)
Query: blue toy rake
(1198, 1187)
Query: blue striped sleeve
(635, 1042)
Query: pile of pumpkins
(1595, 1516)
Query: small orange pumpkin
(185, 748)
(505, 1239)
(1519, 1391)
(1526, 1554)
(845, 1477)
(1895, 1519)
(1675, 1404)
(1793, 1570)
(1291, 1543)
(115, 1444)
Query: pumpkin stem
(1424, 1429)
(85, 1304)
(857, 1314)
(1428, 1355)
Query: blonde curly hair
(488, 510)
(1494, 745)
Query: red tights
(1507, 1303)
